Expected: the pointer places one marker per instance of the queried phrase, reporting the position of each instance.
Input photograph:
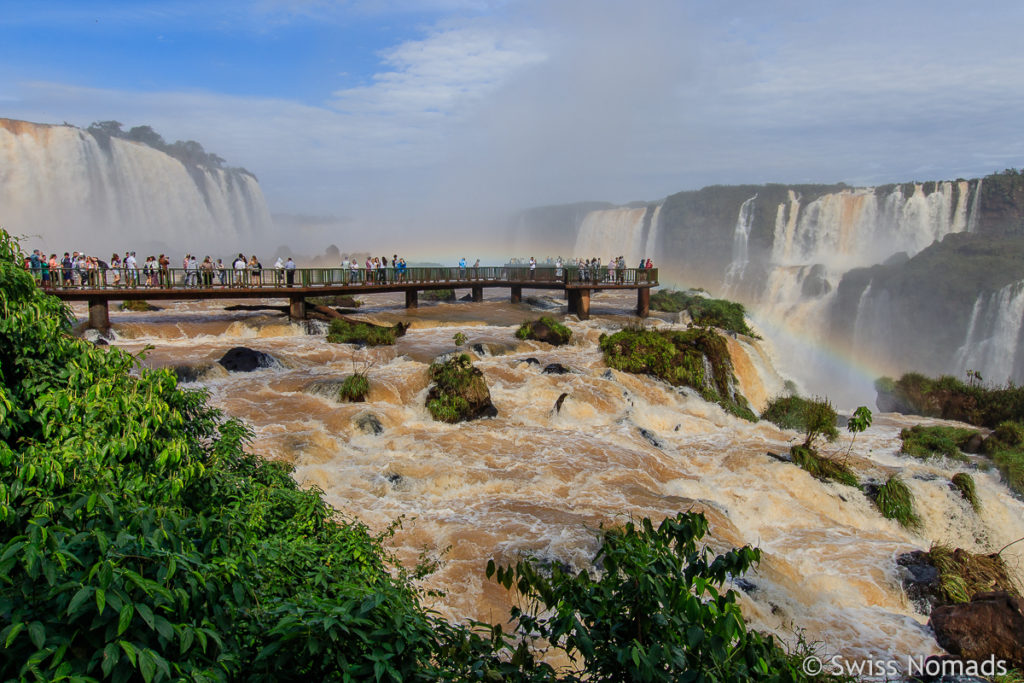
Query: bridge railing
(270, 278)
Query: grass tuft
(964, 484)
(895, 501)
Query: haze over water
(536, 480)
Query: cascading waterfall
(60, 183)
(993, 342)
(629, 232)
(740, 245)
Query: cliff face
(915, 276)
(78, 190)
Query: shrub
(949, 398)
(964, 485)
(354, 388)
(346, 332)
(963, 574)
(814, 417)
(546, 329)
(656, 611)
(928, 442)
(1005, 446)
(825, 469)
(895, 501)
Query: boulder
(198, 372)
(920, 579)
(244, 359)
(556, 369)
(558, 403)
(368, 423)
(459, 391)
(990, 625)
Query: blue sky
(449, 109)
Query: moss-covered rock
(547, 330)
(138, 305)
(459, 391)
(438, 295)
(819, 467)
(704, 311)
(345, 331)
(697, 358)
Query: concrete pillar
(583, 306)
(517, 295)
(573, 295)
(478, 294)
(297, 307)
(412, 299)
(643, 301)
(99, 315)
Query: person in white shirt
(239, 266)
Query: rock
(243, 359)
(781, 457)
(480, 350)
(990, 625)
(541, 331)
(368, 423)
(459, 391)
(920, 579)
(558, 403)
(651, 437)
(531, 361)
(607, 374)
(198, 372)
(974, 444)
(101, 342)
(746, 586)
(556, 369)
(468, 297)
(815, 284)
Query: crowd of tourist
(78, 269)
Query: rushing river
(540, 480)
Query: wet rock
(651, 437)
(608, 375)
(100, 341)
(556, 369)
(974, 444)
(468, 297)
(244, 359)
(815, 284)
(198, 372)
(531, 361)
(393, 477)
(327, 388)
(480, 349)
(920, 579)
(781, 457)
(459, 392)
(748, 587)
(558, 403)
(368, 423)
(990, 625)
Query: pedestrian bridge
(98, 287)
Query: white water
(58, 183)
(993, 343)
(540, 481)
(614, 232)
(740, 245)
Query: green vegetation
(963, 574)
(657, 611)
(697, 358)
(951, 399)
(140, 541)
(348, 332)
(964, 484)
(1006, 448)
(338, 300)
(354, 388)
(929, 442)
(825, 469)
(188, 152)
(704, 312)
(459, 338)
(138, 305)
(895, 501)
(547, 329)
(814, 417)
(438, 295)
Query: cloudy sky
(399, 108)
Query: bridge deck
(99, 287)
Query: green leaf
(110, 658)
(14, 630)
(101, 600)
(127, 612)
(146, 613)
(147, 665)
(129, 650)
(80, 597)
(37, 633)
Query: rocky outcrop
(459, 391)
(990, 625)
(546, 330)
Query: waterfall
(740, 242)
(993, 341)
(60, 184)
(629, 232)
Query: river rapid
(539, 480)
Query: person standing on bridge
(289, 271)
(533, 268)
(239, 268)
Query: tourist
(354, 269)
(289, 271)
(44, 267)
(462, 268)
(239, 268)
(55, 265)
(476, 270)
(533, 267)
(207, 270)
(66, 270)
(131, 269)
(256, 271)
(116, 266)
(611, 269)
(278, 271)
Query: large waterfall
(65, 190)
(992, 346)
(784, 251)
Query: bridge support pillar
(643, 301)
(517, 295)
(478, 294)
(412, 299)
(579, 303)
(297, 307)
(99, 315)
